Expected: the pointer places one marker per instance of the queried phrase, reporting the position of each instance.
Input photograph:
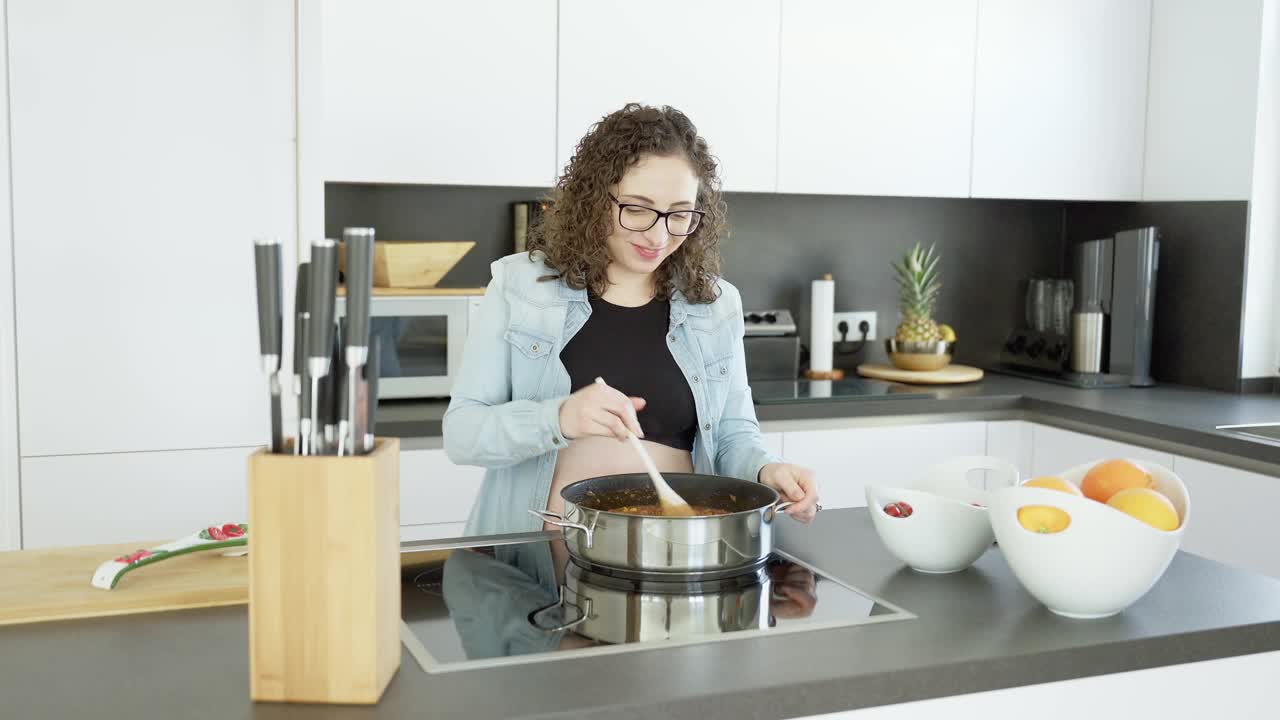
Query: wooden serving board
(419, 292)
(946, 376)
(43, 585)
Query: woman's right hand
(598, 409)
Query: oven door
(422, 339)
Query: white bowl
(945, 532)
(1103, 562)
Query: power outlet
(853, 319)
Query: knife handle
(304, 392)
(371, 370)
(359, 279)
(324, 280)
(301, 298)
(266, 262)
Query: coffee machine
(1108, 343)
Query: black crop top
(628, 348)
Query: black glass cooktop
(527, 601)
(793, 391)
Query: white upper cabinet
(1203, 99)
(876, 97)
(150, 143)
(1060, 99)
(460, 93)
(715, 60)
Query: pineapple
(918, 282)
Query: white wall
(1261, 331)
(10, 522)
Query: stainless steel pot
(621, 610)
(715, 544)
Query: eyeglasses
(639, 218)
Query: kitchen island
(974, 631)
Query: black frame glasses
(695, 218)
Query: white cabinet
(434, 491)
(1202, 99)
(715, 60)
(876, 97)
(150, 143)
(1224, 525)
(1011, 441)
(126, 497)
(846, 461)
(773, 442)
(1060, 99)
(457, 93)
(1055, 450)
(10, 514)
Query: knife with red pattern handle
(214, 537)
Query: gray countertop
(1177, 419)
(976, 630)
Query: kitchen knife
(301, 384)
(266, 261)
(359, 279)
(371, 370)
(324, 279)
(332, 392)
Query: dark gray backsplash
(432, 212)
(778, 243)
(1199, 286)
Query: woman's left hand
(796, 484)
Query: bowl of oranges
(1091, 541)
(939, 523)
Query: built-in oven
(421, 339)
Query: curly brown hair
(571, 235)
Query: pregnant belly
(591, 457)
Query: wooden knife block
(324, 575)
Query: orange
(1148, 506)
(1043, 518)
(1108, 478)
(1050, 482)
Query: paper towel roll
(822, 307)
(819, 388)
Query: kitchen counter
(976, 630)
(1176, 419)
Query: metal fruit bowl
(920, 356)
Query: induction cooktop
(521, 598)
(851, 388)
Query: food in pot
(644, 501)
(656, 510)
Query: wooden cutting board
(419, 292)
(946, 376)
(43, 585)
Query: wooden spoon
(672, 504)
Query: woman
(620, 282)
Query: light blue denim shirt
(505, 409)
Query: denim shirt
(505, 409)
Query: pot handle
(784, 505)
(559, 521)
(777, 508)
(583, 614)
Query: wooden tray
(43, 585)
(948, 375)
